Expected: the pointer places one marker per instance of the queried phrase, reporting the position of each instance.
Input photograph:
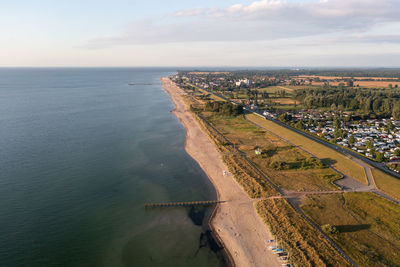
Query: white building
(246, 82)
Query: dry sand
(235, 222)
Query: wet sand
(235, 222)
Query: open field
(369, 84)
(327, 155)
(368, 226)
(306, 246)
(387, 183)
(339, 77)
(287, 166)
(274, 89)
(284, 101)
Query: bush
(312, 163)
(329, 229)
(224, 108)
(278, 165)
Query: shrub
(329, 229)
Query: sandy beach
(235, 222)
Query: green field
(368, 226)
(387, 183)
(326, 154)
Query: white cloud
(260, 20)
(271, 32)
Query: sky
(265, 33)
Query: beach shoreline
(234, 222)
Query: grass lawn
(326, 154)
(368, 226)
(387, 183)
(287, 166)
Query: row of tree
(381, 102)
(224, 108)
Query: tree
(337, 123)
(351, 140)
(370, 144)
(285, 117)
(396, 111)
(379, 157)
(299, 125)
(389, 126)
(350, 83)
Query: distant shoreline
(235, 222)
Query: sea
(81, 152)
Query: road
(347, 184)
(363, 161)
(346, 152)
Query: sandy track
(236, 222)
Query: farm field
(368, 227)
(327, 155)
(387, 183)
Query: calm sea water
(81, 151)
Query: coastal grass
(368, 226)
(326, 154)
(285, 165)
(387, 183)
(212, 96)
(244, 173)
(304, 244)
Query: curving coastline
(235, 222)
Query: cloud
(265, 20)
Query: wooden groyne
(182, 204)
